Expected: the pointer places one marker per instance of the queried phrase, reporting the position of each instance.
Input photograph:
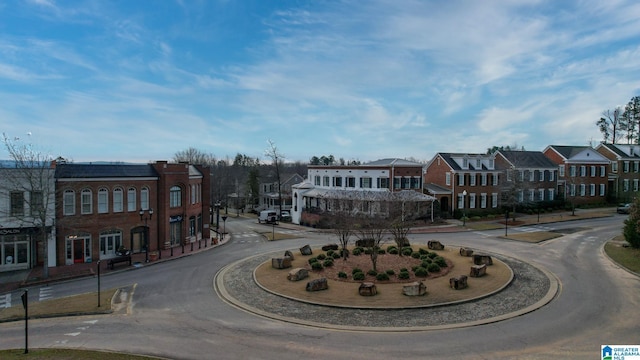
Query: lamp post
(464, 211)
(146, 215)
(224, 226)
(218, 218)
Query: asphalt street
(173, 311)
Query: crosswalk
(533, 228)
(255, 237)
(5, 301)
(45, 293)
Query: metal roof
(70, 171)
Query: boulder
(367, 289)
(306, 250)
(298, 274)
(333, 247)
(289, 254)
(435, 245)
(458, 282)
(317, 284)
(478, 270)
(414, 289)
(482, 259)
(281, 263)
(466, 252)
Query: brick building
(142, 208)
(624, 170)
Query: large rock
(478, 270)
(298, 274)
(414, 289)
(458, 282)
(482, 259)
(317, 284)
(466, 252)
(289, 254)
(281, 263)
(435, 245)
(367, 289)
(306, 250)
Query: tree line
(622, 123)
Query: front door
(78, 251)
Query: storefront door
(78, 251)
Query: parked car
(285, 215)
(623, 208)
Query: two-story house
(362, 187)
(142, 208)
(271, 192)
(582, 173)
(463, 181)
(624, 170)
(529, 177)
(27, 213)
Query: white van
(268, 216)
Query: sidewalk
(13, 280)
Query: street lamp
(464, 215)
(146, 215)
(224, 226)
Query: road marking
(45, 293)
(73, 334)
(92, 322)
(5, 301)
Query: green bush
(330, 253)
(630, 231)
(390, 272)
(342, 275)
(404, 269)
(372, 272)
(358, 276)
(423, 251)
(390, 247)
(440, 261)
(312, 260)
(432, 255)
(355, 270)
(381, 251)
(357, 251)
(424, 257)
(316, 266)
(414, 268)
(335, 255)
(422, 272)
(322, 256)
(426, 263)
(393, 251)
(415, 255)
(367, 251)
(433, 268)
(403, 275)
(407, 251)
(382, 277)
(328, 262)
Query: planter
(153, 256)
(214, 241)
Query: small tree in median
(631, 229)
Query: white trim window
(635, 185)
(532, 175)
(625, 185)
(175, 196)
(472, 179)
(326, 181)
(110, 241)
(541, 194)
(592, 189)
(541, 178)
(552, 175)
(494, 200)
(483, 179)
(483, 200)
(472, 201)
(447, 179)
(561, 171)
(495, 180)
(583, 170)
(583, 190)
(603, 171)
(532, 195)
(86, 201)
(460, 179)
(602, 188)
(593, 170)
(460, 201)
(103, 201)
(572, 190)
(552, 194)
(572, 171)
(117, 199)
(131, 199)
(144, 198)
(69, 202)
(625, 166)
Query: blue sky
(140, 80)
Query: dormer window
(478, 163)
(465, 163)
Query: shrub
(426, 263)
(407, 251)
(422, 272)
(342, 275)
(357, 251)
(316, 266)
(390, 272)
(381, 251)
(423, 251)
(358, 276)
(336, 255)
(367, 251)
(390, 247)
(404, 269)
(322, 256)
(424, 257)
(328, 262)
(403, 275)
(355, 270)
(433, 268)
(440, 261)
(415, 255)
(382, 276)
(414, 268)
(312, 260)
(432, 255)
(393, 251)
(372, 272)
(330, 253)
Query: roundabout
(244, 285)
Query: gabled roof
(527, 159)
(436, 189)
(392, 162)
(449, 159)
(622, 151)
(78, 171)
(568, 151)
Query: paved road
(175, 312)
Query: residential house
(142, 208)
(530, 177)
(582, 173)
(462, 181)
(27, 213)
(271, 192)
(363, 186)
(624, 170)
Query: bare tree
(399, 226)
(370, 232)
(195, 157)
(277, 158)
(30, 183)
(610, 124)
